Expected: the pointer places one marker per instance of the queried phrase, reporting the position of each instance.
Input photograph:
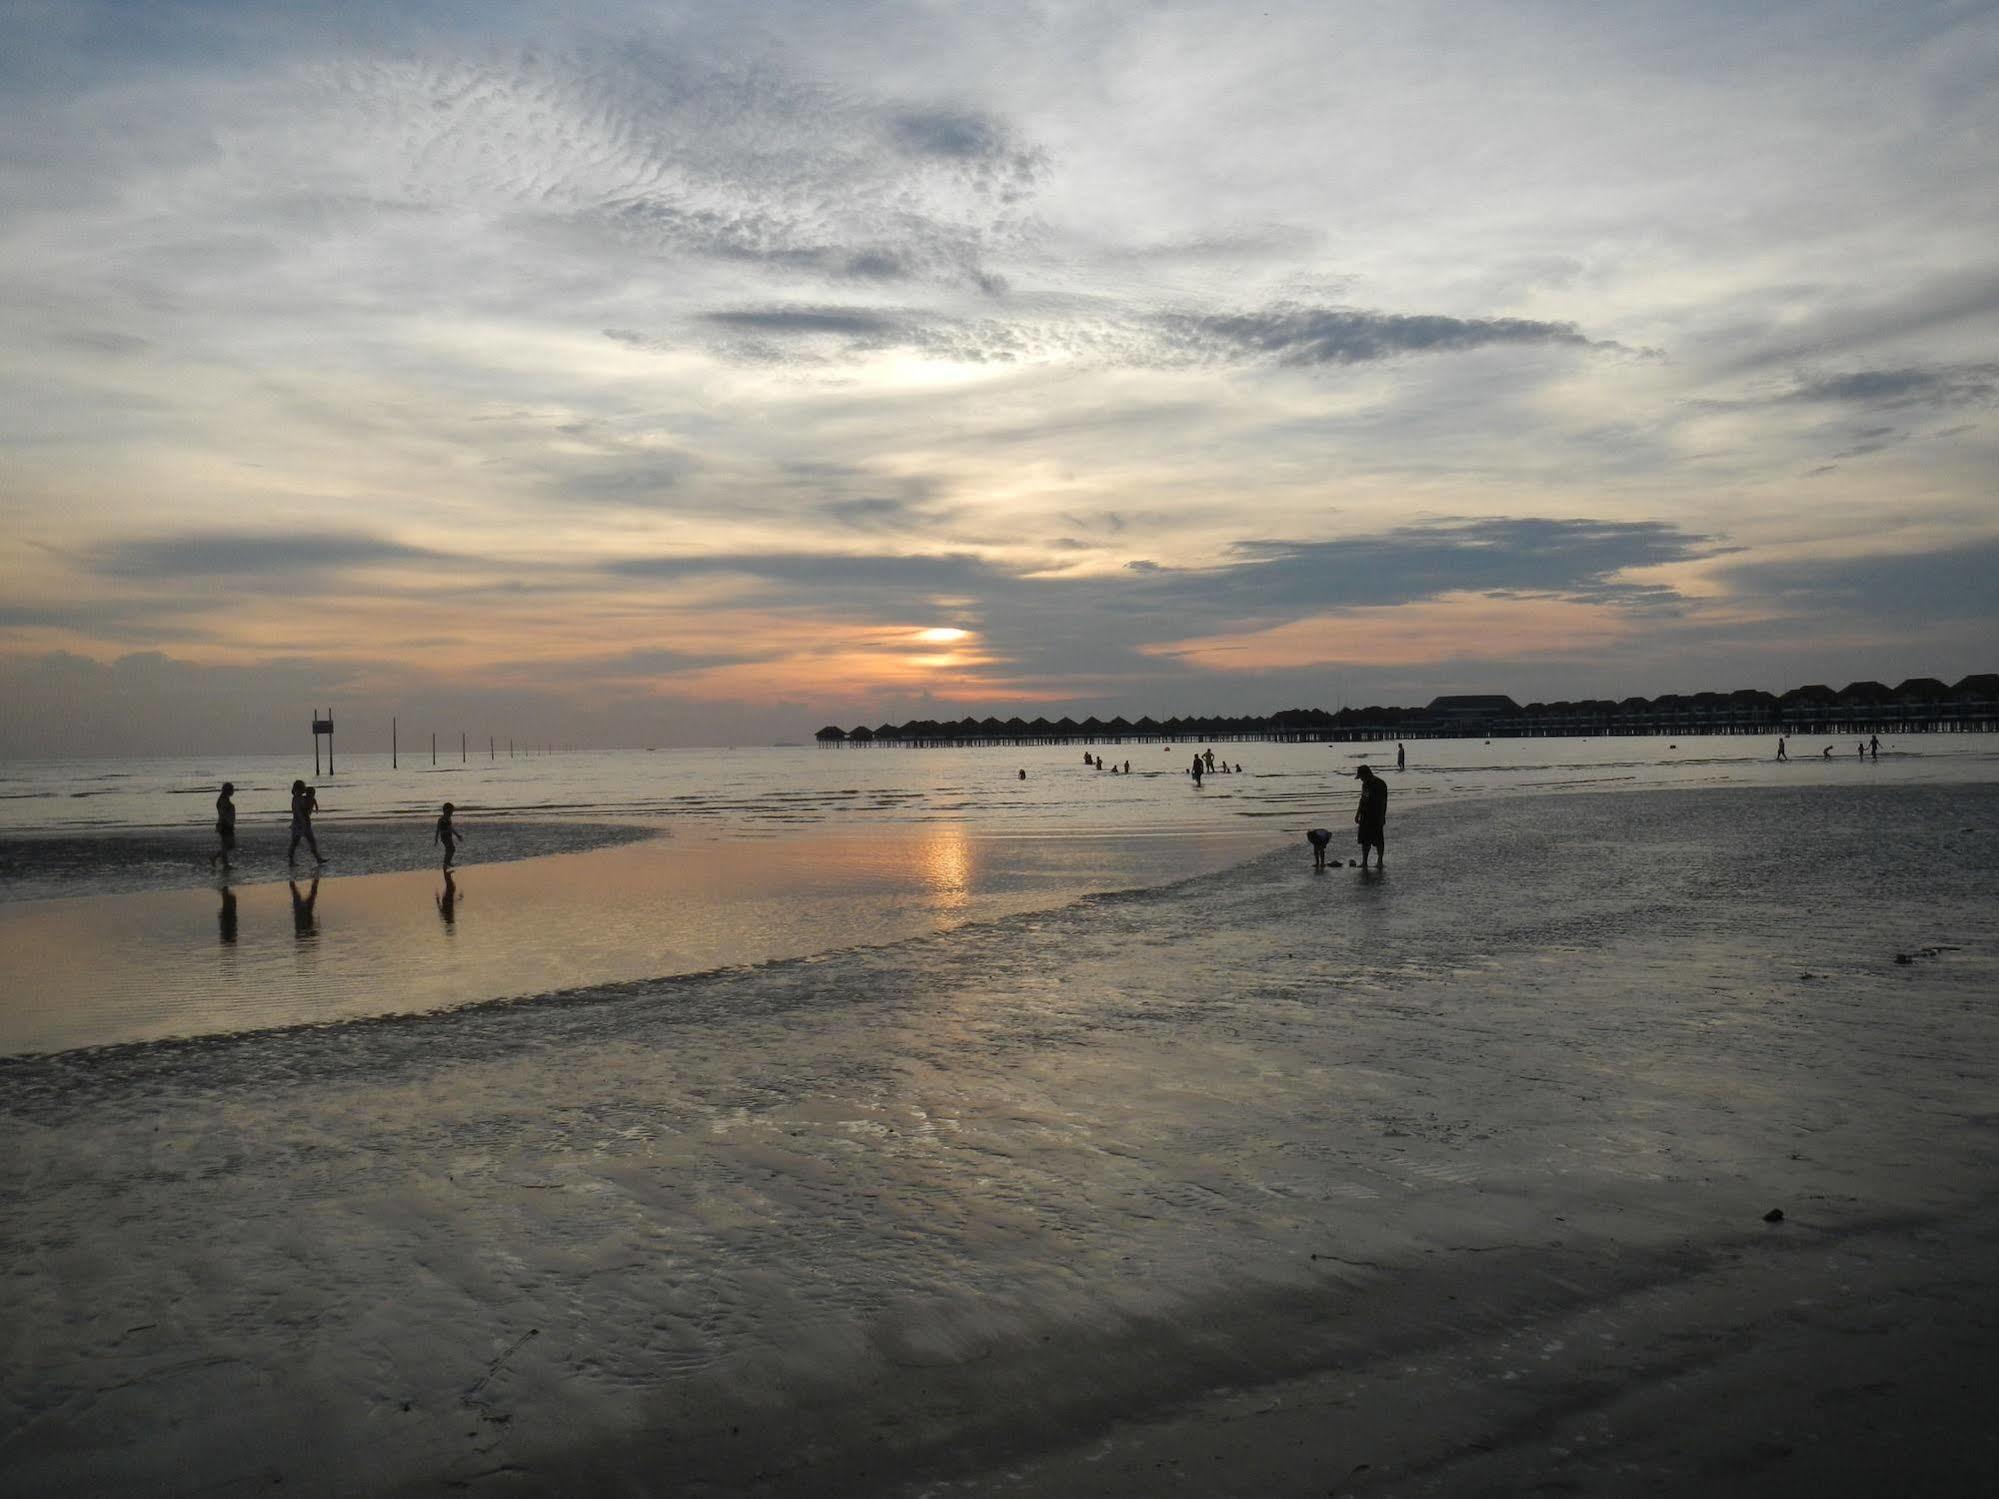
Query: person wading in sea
(1371, 816)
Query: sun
(943, 635)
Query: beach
(1452, 1180)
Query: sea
(588, 868)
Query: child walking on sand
(447, 835)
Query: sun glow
(943, 635)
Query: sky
(705, 373)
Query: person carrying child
(447, 835)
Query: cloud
(1289, 333)
(1948, 583)
(859, 323)
(1890, 389)
(1579, 560)
(868, 514)
(1056, 628)
(228, 553)
(1285, 334)
(887, 580)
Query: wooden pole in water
(461, 746)
(433, 747)
(315, 744)
(491, 753)
(392, 744)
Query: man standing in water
(1371, 817)
(225, 827)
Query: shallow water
(87, 972)
(112, 928)
(769, 792)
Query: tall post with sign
(322, 726)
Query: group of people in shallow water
(1867, 749)
(305, 802)
(1204, 763)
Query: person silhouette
(303, 923)
(447, 835)
(1401, 756)
(1197, 770)
(1781, 755)
(1318, 838)
(1371, 816)
(1874, 746)
(225, 827)
(305, 802)
(1023, 775)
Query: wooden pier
(1922, 705)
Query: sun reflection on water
(944, 858)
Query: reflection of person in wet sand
(447, 898)
(303, 924)
(225, 827)
(1371, 816)
(225, 919)
(305, 802)
(447, 835)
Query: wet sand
(1451, 1181)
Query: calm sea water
(751, 792)
(751, 856)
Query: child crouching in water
(447, 835)
(1319, 838)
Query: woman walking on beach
(447, 835)
(225, 827)
(305, 802)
